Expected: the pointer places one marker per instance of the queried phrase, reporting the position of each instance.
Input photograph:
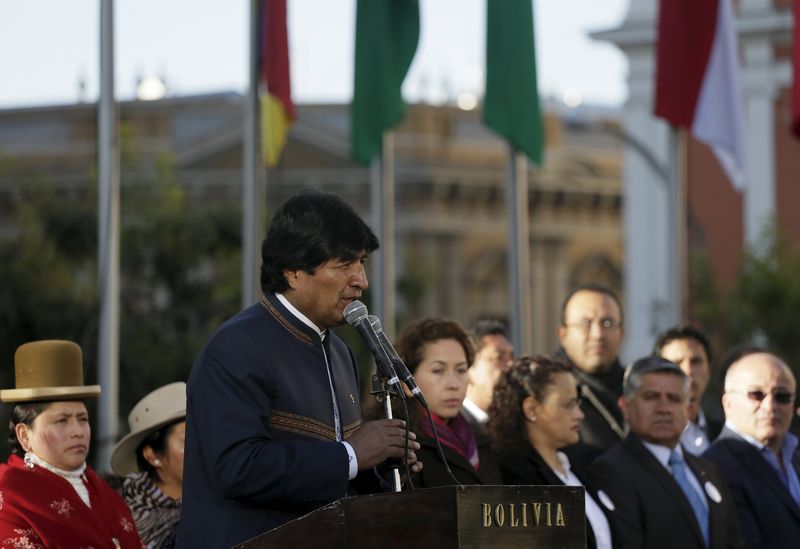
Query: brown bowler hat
(48, 370)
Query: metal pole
(682, 230)
(397, 485)
(674, 233)
(388, 240)
(519, 252)
(108, 241)
(252, 191)
(382, 207)
(376, 205)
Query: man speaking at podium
(273, 426)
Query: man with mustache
(755, 452)
(273, 424)
(590, 336)
(660, 496)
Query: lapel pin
(712, 492)
(605, 500)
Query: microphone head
(375, 322)
(355, 312)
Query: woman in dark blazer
(438, 352)
(535, 413)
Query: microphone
(397, 362)
(356, 315)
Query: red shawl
(40, 509)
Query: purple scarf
(455, 434)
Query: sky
(50, 49)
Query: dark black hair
(682, 332)
(306, 231)
(485, 327)
(410, 346)
(528, 376)
(594, 288)
(23, 413)
(157, 440)
(413, 338)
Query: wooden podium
(546, 517)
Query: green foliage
(766, 301)
(48, 270)
(763, 305)
(180, 273)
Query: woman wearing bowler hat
(152, 458)
(49, 497)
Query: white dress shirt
(351, 454)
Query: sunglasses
(781, 397)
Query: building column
(759, 79)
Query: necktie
(695, 500)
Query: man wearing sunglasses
(757, 454)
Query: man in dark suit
(756, 453)
(659, 495)
(273, 424)
(494, 355)
(590, 336)
(691, 351)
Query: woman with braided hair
(534, 414)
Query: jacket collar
(753, 461)
(291, 321)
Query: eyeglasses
(781, 397)
(586, 324)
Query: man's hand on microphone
(376, 441)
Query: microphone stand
(383, 393)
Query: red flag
(796, 59)
(277, 109)
(697, 78)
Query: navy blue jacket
(260, 436)
(650, 510)
(767, 512)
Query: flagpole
(682, 220)
(676, 233)
(382, 193)
(108, 241)
(518, 251)
(252, 191)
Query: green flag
(387, 32)
(511, 102)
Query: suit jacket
(530, 468)
(713, 427)
(769, 515)
(434, 472)
(261, 443)
(597, 435)
(650, 509)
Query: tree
(762, 306)
(180, 272)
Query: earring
(29, 460)
(532, 418)
(157, 462)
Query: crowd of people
(270, 424)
